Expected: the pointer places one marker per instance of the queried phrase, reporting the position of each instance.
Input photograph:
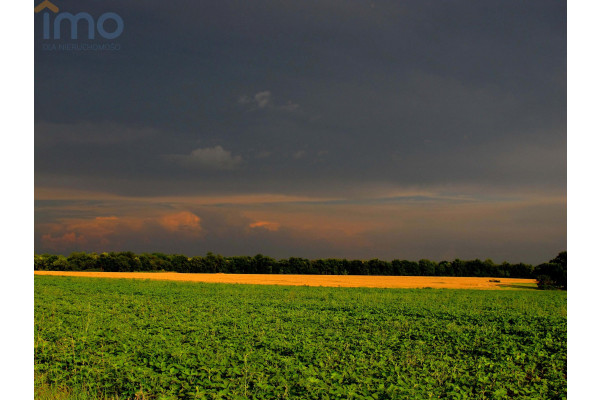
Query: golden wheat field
(406, 282)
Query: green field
(117, 338)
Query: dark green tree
(427, 267)
(553, 274)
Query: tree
(358, 267)
(560, 259)
(80, 261)
(553, 274)
(39, 262)
(443, 268)
(262, 264)
(299, 265)
(180, 263)
(427, 267)
(378, 267)
(60, 263)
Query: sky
(316, 129)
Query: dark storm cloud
(316, 98)
(379, 91)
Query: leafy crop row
(163, 340)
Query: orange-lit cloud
(107, 230)
(183, 221)
(398, 225)
(271, 226)
(67, 239)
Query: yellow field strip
(406, 282)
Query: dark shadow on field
(522, 286)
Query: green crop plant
(135, 339)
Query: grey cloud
(259, 100)
(264, 99)
(209, 157)
(299, 154)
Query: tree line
(259, 264)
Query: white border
(16, 288)
(583, 197)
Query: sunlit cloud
(58, 243)
(81, 233)
(268, 225)
(182, 221)
(395, 227)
